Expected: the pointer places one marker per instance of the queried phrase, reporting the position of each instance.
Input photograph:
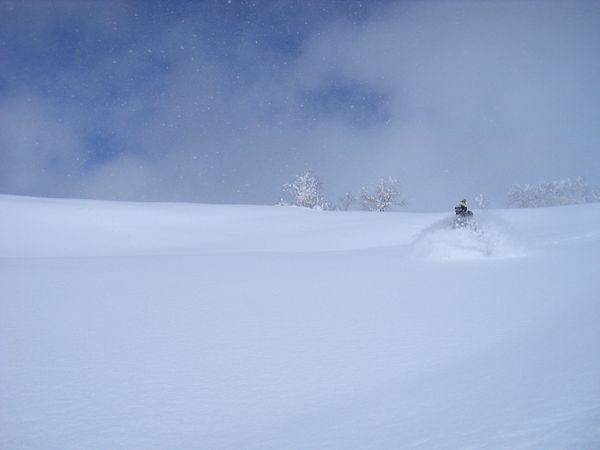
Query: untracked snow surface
(179, 326)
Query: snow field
(194, 326)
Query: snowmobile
(463, 217)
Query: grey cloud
(484, 94)
(37, 149)
(453, 98)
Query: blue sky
(218, 101)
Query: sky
(224, 101)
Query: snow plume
(488, 236)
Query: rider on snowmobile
(462, 210)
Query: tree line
(306, 190)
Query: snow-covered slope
(159, 326)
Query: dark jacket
(461, 210)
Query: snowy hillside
(162, 326)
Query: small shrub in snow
(346, 201)
(306, 191)
(385, 195)
(482, 201)
(553, 193)
(326, 205)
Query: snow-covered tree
(553, 193)
(482, 201)
(385, 195)
(346, 201)
(306, 190)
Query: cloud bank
(225, 101)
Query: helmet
(463, 202)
